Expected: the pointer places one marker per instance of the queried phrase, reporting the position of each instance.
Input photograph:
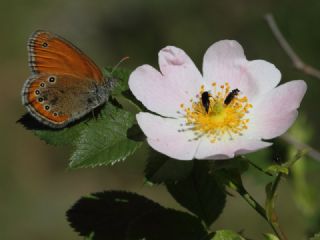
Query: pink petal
(228, 148)
(264, 75)
(276, 111)
(163, 135)
(164, 93)
(225, 61)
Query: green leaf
(316, 237)
(105, 141)
(269, 236)
(168, 224)
(107, 215)
(275, 169)
(121, 88)
(121, 75)
(239, 163)
(200, 193)
(226, 235)
(56, 137)
(161, 168)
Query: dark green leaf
(161, 168)
(105, 141)
(107, 215)
(200, 193)
(57, 137)
(168, 224)
(238, 163)
(226, 235)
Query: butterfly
(65, 84)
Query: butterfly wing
(50, 53)
(65, 85)
(57, 100)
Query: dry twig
(296, 60)
(300, 65)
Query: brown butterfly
(65, 83)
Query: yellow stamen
(221, 119)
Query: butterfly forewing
(50, 53)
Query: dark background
(36, 187)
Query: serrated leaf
(225, 235)
(168, 224)
(269, 236)
(161, 168)
(107, 215)
(105, 141)
(200, 193)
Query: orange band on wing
(39, 108)
(49, 53)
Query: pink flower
(228, 110)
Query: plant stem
(258, 168)
(274, 220)
(258, 208)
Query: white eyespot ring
(51, 79)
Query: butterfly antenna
(117, 65)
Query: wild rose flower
(229, 110)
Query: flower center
(218, 113)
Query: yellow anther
(219, 120)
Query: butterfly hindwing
(57, 100)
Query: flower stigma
(222, 113)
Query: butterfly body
(65, 84)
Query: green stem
(259, 168)
(274, 219)
(258, 208)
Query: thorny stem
(258, 208)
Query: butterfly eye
(42, 84)
(37, 92)
(47, 107)
(44, 44)
(52, 79)
(40, 99)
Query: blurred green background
(36, 188)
